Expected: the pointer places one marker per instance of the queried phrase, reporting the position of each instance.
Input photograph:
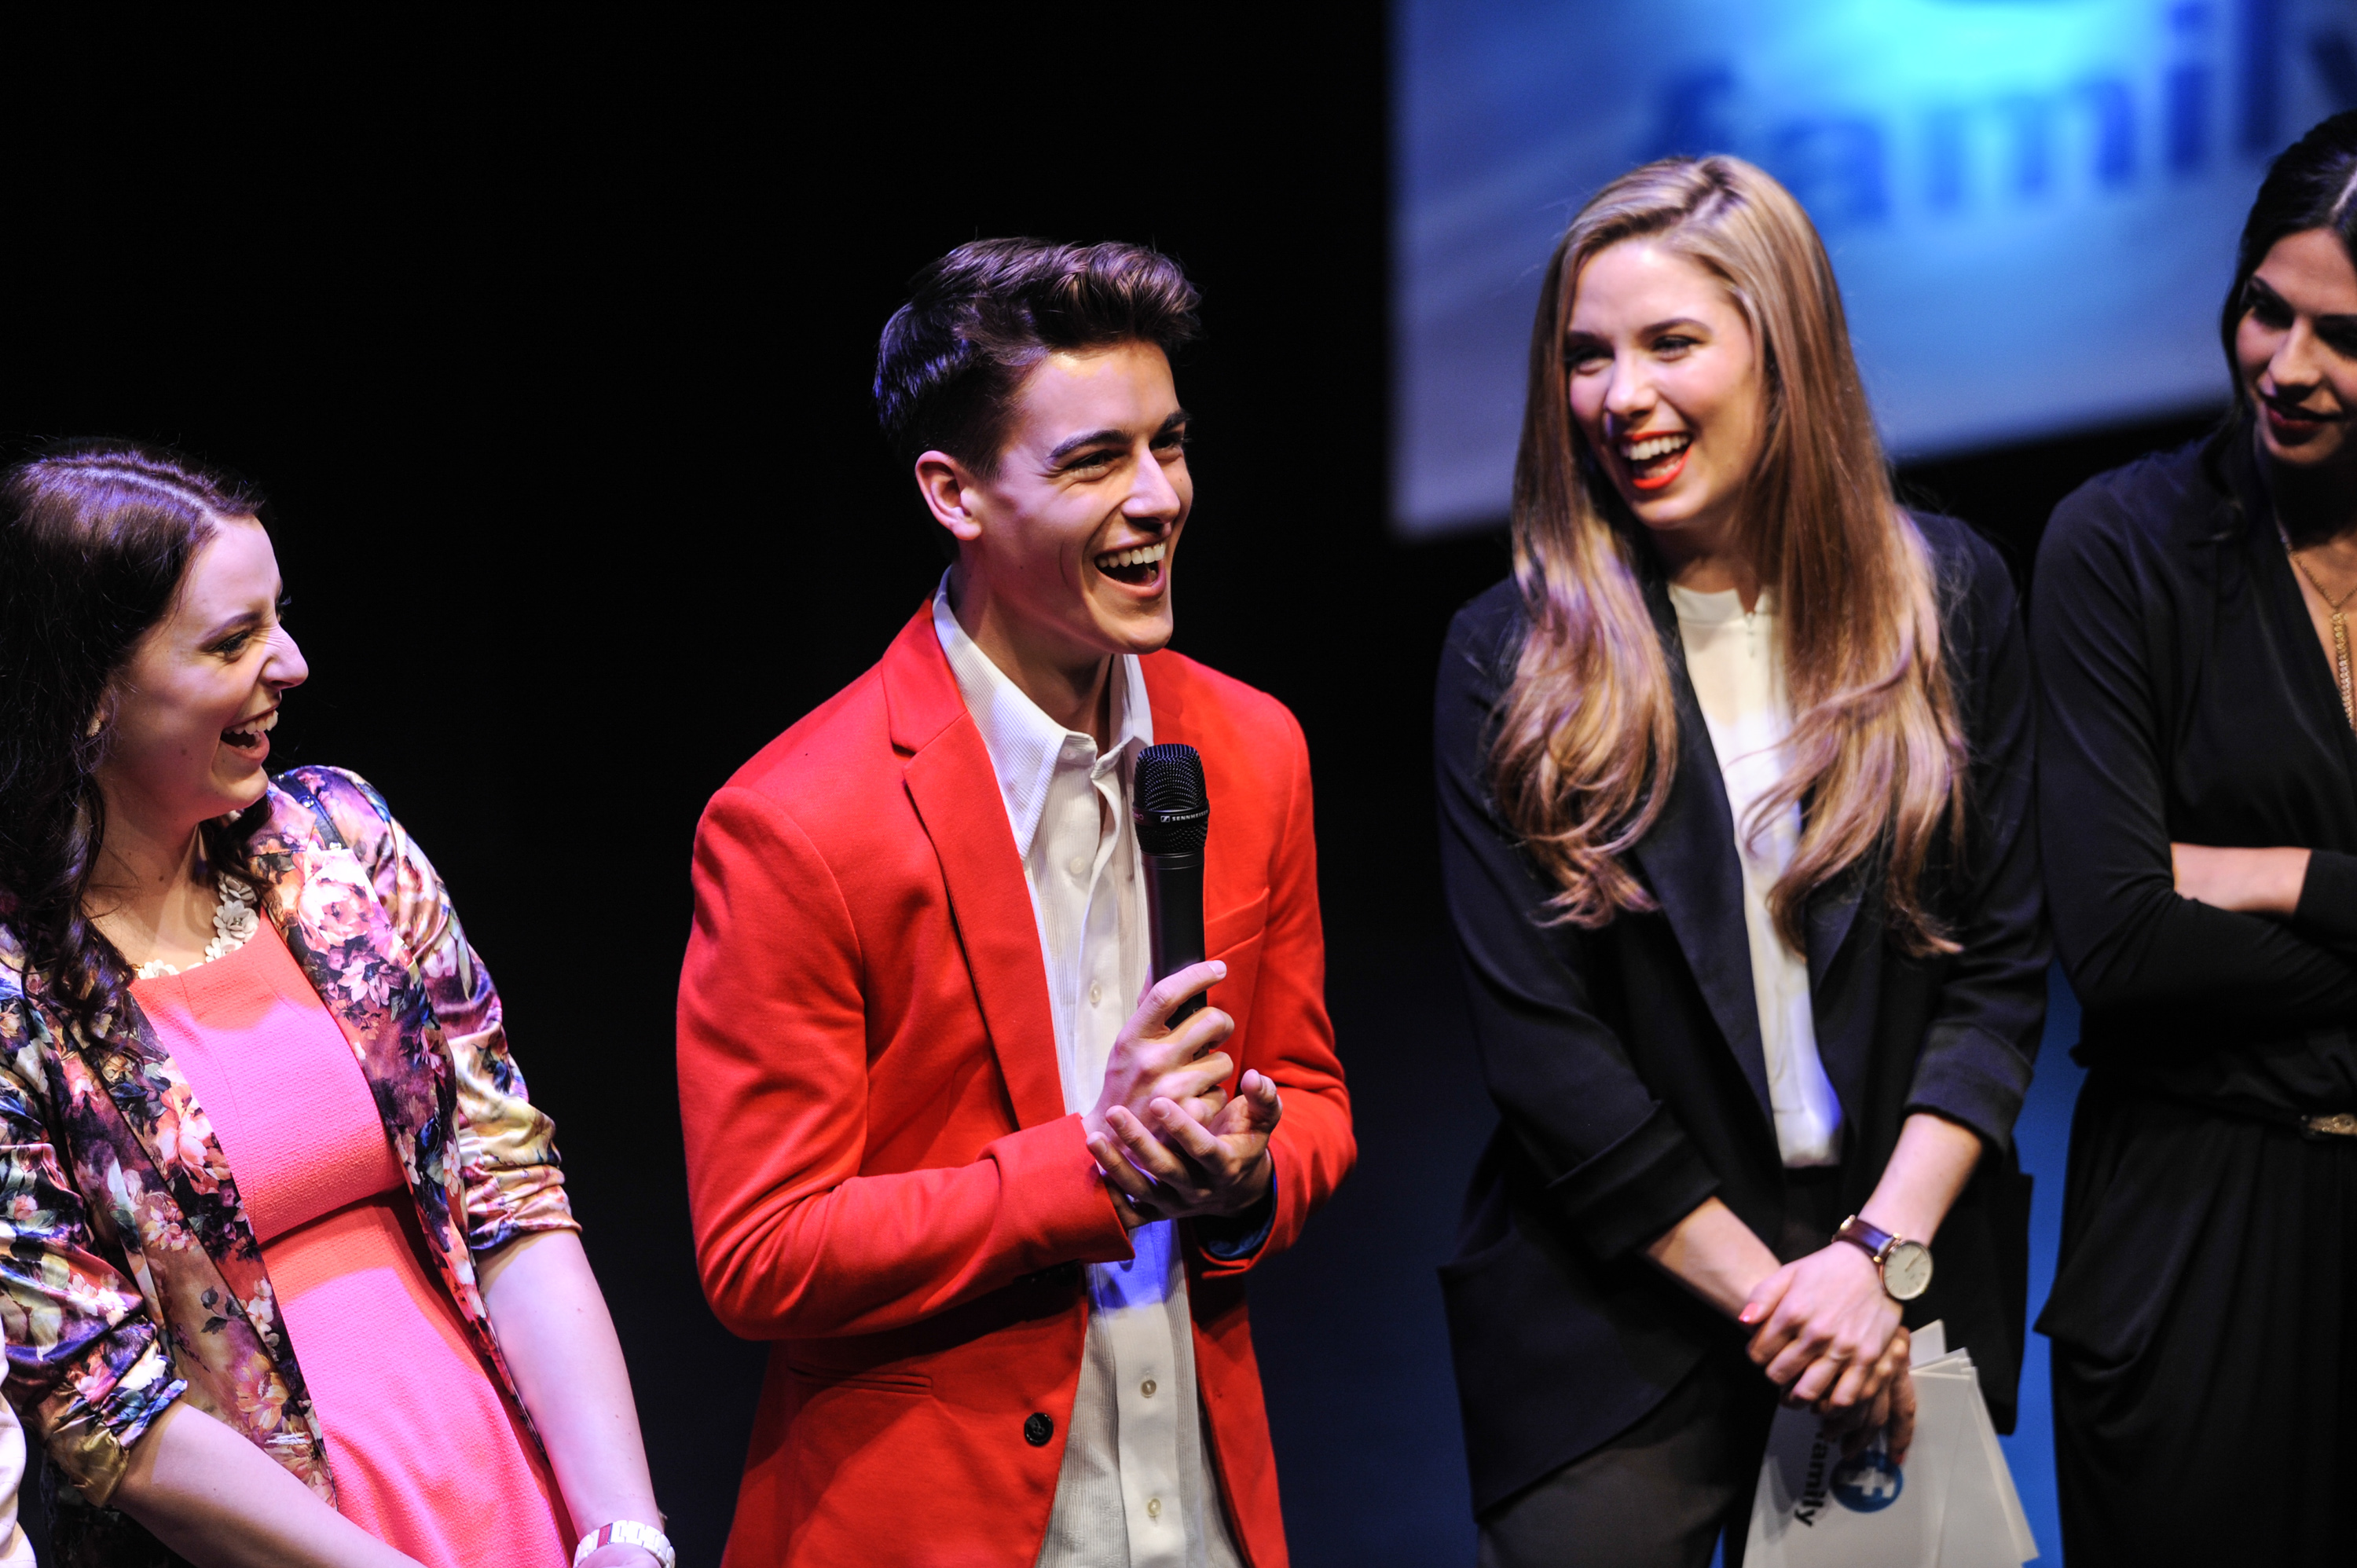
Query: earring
(97, 722)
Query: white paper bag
(1951, 1506)
(1986, 1521)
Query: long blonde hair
(1587, 741)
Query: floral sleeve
(507, 1145)
(86, 1363)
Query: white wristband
(628, 1532)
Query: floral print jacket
(129, 1276)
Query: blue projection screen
(2032, 204)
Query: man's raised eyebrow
(1064, 449)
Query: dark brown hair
(95, 537)
(982, 317)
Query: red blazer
(883, 1177)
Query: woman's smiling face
(1663, 375)
(192, 710)
(2297, 350)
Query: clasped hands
(1169, 1141)
(1826, 1333)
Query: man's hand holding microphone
(1168, 1139)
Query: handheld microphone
(1173, 818)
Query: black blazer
(1627, 1067)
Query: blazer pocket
(822, 1378)
(1234, 937)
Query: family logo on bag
(1812, 1489)
(1868, 1483)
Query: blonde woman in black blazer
(1645, 1264)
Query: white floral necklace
(234, 923)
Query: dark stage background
(554, 357)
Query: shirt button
(1096, 994)
(1038, 1428)
(1146, 1388)
(1154, 1507)
(1079, 868)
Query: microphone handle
(1174, 917)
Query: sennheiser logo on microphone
(1172, 811)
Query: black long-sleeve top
(1627, 1066)
(2184, 697)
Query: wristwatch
(1906, 1265)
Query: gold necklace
(2339, 631)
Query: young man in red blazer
(944, 1148)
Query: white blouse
(1737, 671)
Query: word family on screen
(2032, 205)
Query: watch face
(1906, 1272)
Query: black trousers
(2205, 1346)
(1661, 1494)
(1655, 1496)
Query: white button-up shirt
(1136, 1487)
(1738, 677)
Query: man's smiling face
(1077, 529)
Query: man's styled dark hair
(982, 317)
(2312, 184)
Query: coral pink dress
(428, 1452)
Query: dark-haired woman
(2198, 784)
(286, 1263)
(1735, 777)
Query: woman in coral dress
(287, 1272)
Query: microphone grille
(1171, 809)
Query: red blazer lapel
(955, 790)
(1170, 707)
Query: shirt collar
(1024, 743)
(1717, 608)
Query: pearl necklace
(234, 923)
